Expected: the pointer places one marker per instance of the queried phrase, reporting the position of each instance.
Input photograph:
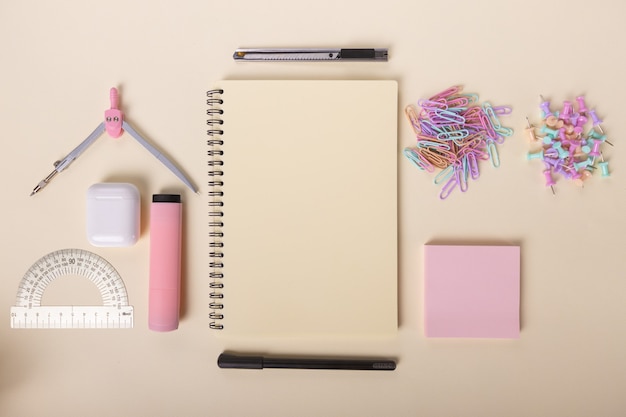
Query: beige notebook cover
(309, 212)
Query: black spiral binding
(216, 182)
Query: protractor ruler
(115, 313)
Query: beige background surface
(59, 60)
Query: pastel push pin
(586, 148)
(595, 151)
(580, 181)
(545, 107)
(549, 181)
(596, 135)
(604, 167)
(534, 155)
(530, 130)
(550, 160)
(552, 121)
(582, 107)
(558, 146)
(567, 111)
(553, 133)
(593, 134)
(603, 139)
(580, 123)
(585, 175)
(581, 165)
(596, 120)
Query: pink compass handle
(113, 117)
(115, 98)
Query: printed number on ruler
(28, 313)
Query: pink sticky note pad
(472, 291)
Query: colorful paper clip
(454, 132)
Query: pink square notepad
(471, 291)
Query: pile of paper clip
(566, 149)
(453, 133)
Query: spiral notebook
(303, 207)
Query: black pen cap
(239, 362)
(166, 198)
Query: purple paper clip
(448, 187)
(472, 163)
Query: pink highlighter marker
(165, 259)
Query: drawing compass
(114, 125)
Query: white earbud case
(113, 214)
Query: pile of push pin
(570, 143)
(453, 133)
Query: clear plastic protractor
(28, 311)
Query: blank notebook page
(310, 207)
